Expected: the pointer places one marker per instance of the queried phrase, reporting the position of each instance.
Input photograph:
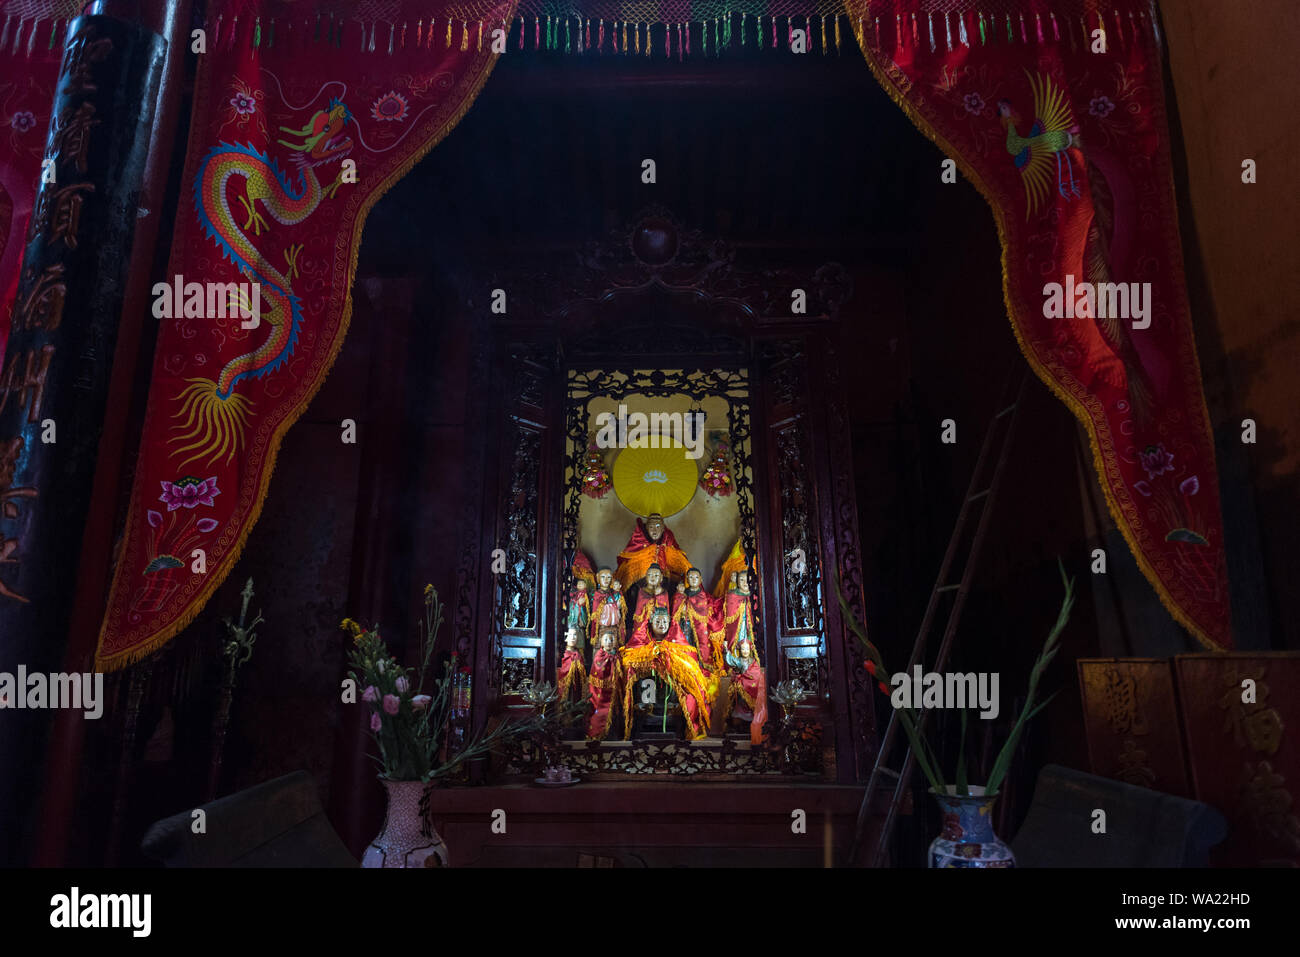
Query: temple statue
(608, 608)
(747, 692)
(571, 679)
(698, 615)
(652, 543)
(738, 611)
(604, 683)
(668, 655)
(580, 606)
(648, 600)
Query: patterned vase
(408, 838)
(967, 838)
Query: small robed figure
(608, 608)
(605, 685)
(698, 615)
(652, 543)
(738, 611)
(652, 597)
(571, 680)
(747, 692)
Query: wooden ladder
(873, 833)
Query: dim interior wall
(1233, 71)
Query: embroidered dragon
(214, 414)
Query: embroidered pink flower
(1156, 460)
(973, 102)
(206, 524)
(1190, 486)
(390, 107)
(23, 121)
(371, 694)
(1101, 107)
(376, 722)
(420, 702)
(155, 518)
(392, 703)
(189, 492)
(243, 104)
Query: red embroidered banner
(31, 48)
(301, 121)
(1055, 111)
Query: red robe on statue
(645, 606)
(572, 675)
(640, 553)
(604, 685)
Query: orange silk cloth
(640, 553)
(604, 685)
(674, 661)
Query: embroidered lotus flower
(23, 121)
(206, 524)
(1101, 107)
(155, 518)
(189, 492)
(390, 107)
(973, 102)
(1156, 460)
(243, 104)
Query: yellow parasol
(659, 480)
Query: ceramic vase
(967, 838)
(407, 838)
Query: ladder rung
(890, 771)
(979, 495)
(947, 588)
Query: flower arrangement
(409, 725)
(925, 755)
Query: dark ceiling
(790, 153)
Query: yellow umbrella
(659, 480)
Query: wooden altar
(658, 309)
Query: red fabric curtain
(1055, 111)
(30, 53)
(301, 121)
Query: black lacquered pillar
(55, 374)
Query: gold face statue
(693, 579)
(659, 622)
(654, 577)
(607, 639)
(742, 581)
(571, 639)
(603, 578)
(654, 526)
(582, 585)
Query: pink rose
(420, 702)
(391, 703)
(403, 685)
(371, 694)
(375, 721)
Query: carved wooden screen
(522, 457)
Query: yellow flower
(351, 627)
